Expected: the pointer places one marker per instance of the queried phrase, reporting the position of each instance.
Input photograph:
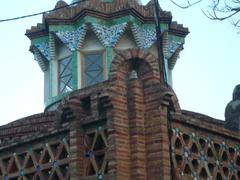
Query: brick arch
(143, 97)
(122, 57)
(119, 71)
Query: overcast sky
(203, 78)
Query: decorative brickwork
(107, 11)
(203, 149)
(119, 129)
(27, 127)
(140, 135)
(201, 157)
(95, 144)
(37, 161)
(118, 24)
(129, 127)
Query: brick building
(107, 115)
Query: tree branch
(223, 11)
(218, 10)
(186, 6)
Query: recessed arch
(121, 66)
(122, 58)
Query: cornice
(105, 11)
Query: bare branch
(218, 9)
(186, 6)
(226, 12)
(214, 16)
(236, 23)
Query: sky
(203, 78)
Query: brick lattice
(196, 156)
(42, 161)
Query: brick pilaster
(157, 142)
(76, 150)
(137, 129)
(119, 161)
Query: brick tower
(107, 115)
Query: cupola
(75, 45)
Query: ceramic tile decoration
(145, 37)
(109, 35)
(43, 47)
(73, 39)
(173, 45)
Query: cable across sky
(40, 13)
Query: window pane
(65, 75)
(93, 70)
(65, 66)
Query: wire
(43, 12)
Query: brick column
(119, 155)
(137, 129)
(76, 150)
(76, 137)
(157, 142)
